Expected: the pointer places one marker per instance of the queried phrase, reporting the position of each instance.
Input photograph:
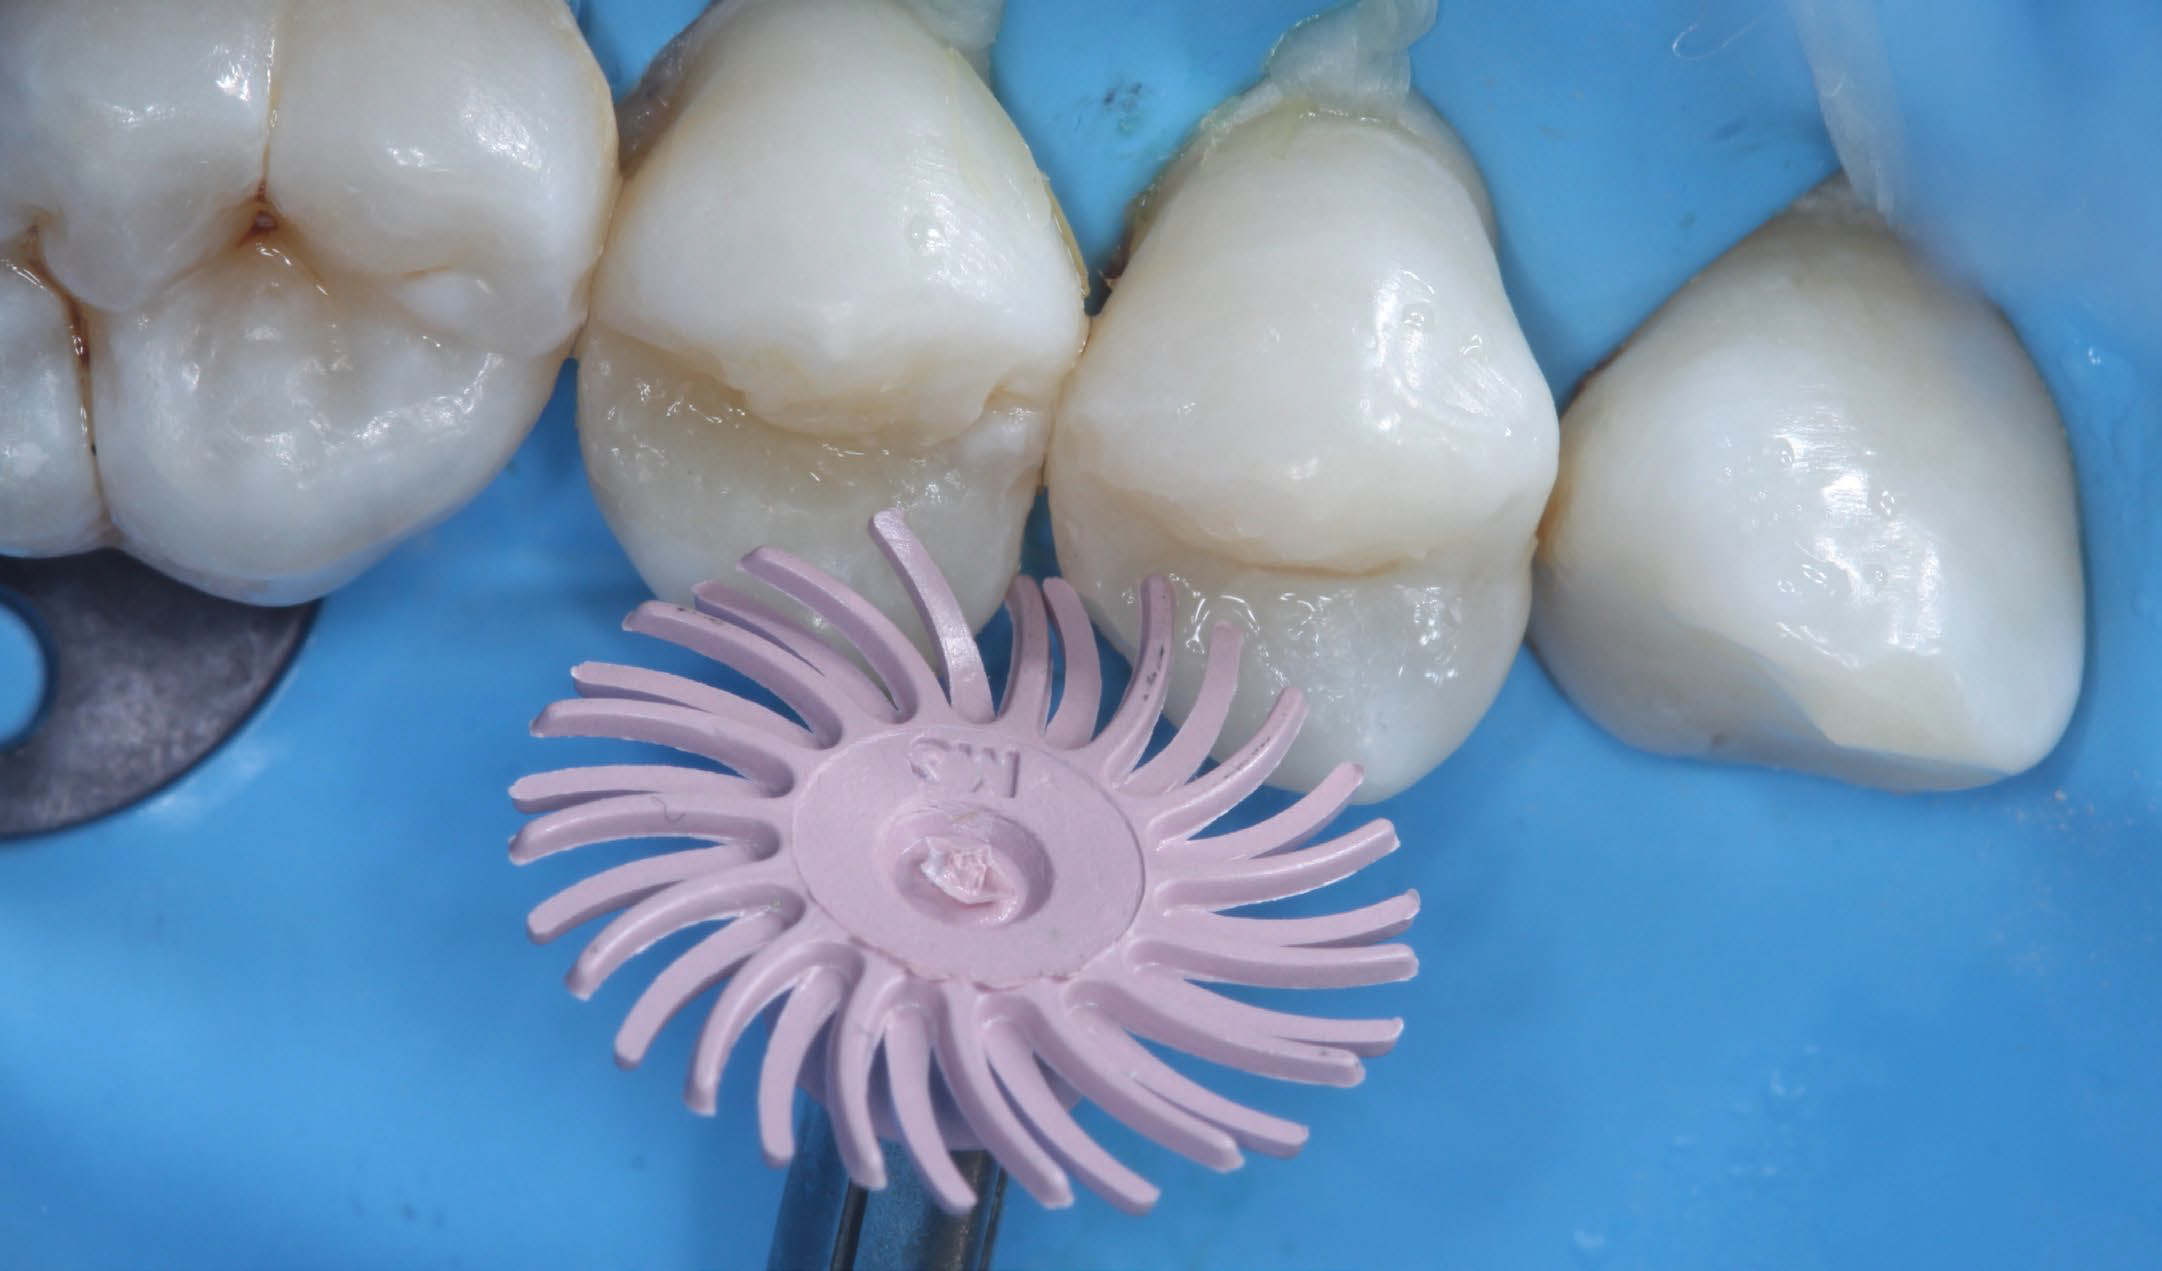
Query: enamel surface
(1819, 514)
(1308, 402)
(49, 500)
(324, 260)
(835, 283)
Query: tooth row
(1819, 514)
(1307, 402)
(321, 260)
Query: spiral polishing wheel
(968, 909)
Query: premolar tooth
(1819, 513)
(703, 474)
(1307, 400)
(835, 282)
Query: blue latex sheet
(1669, 1015)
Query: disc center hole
(966, 865)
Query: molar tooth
(132, 136)
(469, 188)
(266, 429)
(314, 324)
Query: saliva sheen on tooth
(1819, 513)
(276, 294)
(1308, 402)
(781, 348)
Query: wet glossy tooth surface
(49, 502)
(1819, 513)
(835, 282)
(1308, 402)
(325, 259)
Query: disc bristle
(854, 1048)
(1204, 723)
(1127, 734)
(1073, 721)
(706, 964)
(843, 676)
(908, 1082)
(1201, 802)
(894, 1044)
(803, 1016)
(1028, 670)
(908, 679)
(966, 686)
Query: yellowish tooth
(1308, 402)
(835, 282)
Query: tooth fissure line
(378, 289)
(48, 470)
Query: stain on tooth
(783, 344)
(50, 500)
(248, 270)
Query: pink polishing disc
(968, 910)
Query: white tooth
(132, 135)
(309, 340)
(1308, 402)
(835, 282)
(455, 153)
(265, 430)
(1819, 513)
(49, 500)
